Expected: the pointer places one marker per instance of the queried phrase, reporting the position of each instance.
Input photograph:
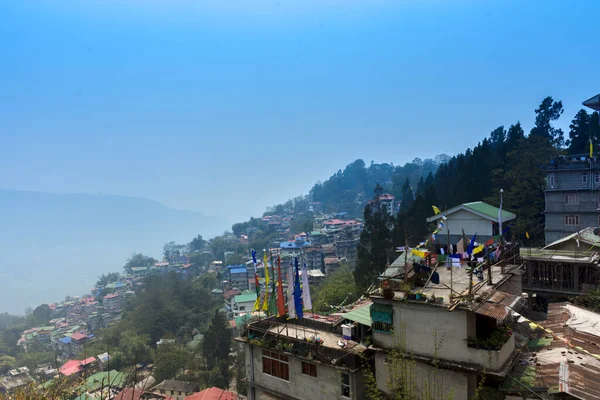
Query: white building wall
(468, 221)
(431, 331)
(428, 382)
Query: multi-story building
(572, 195)
(452, 337)
(238, 276)
(302, 361)
(111, 301)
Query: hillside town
(467, 311)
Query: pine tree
(548, 111)
(579, 133)
(375, 243)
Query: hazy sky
(225, 107)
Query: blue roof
(238, 271)
(119, 284)
(65, 340)
(235, 266)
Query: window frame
(597, 177)
(571, 219)
(309, 367)
(344, 385)
(571, 199)
(584, 177)
(551, 180)
(278, 365)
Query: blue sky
(225, 107)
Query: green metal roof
(489, 210)
(362, 315)
(245, 298)
(137, 269)
(100, 379)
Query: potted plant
(387, 291)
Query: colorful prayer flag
(471, 245)
(290, 291)
(306, 300)
(256, 283)
(297, 291)
(265, 306)
(527, 235)
(591, 148)
(280, 299)
(436, 210)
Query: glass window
(309, 369)
(572, 220)
(584, 177)
(551, 181)
(276, 365)
(597, 177)
(345, 385)
(571, 198)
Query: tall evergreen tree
(548, 111)
(579, 133)
(408, 196)
(375, 245)
(217, 341)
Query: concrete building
(238, 276)
(177, 390)
(446, 332)
(572, 195)
(314, 257)
(111, 301)
(242, 303)
(301, 361)
(14, 380)
(473, 218)
(565, 267)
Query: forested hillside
(348, 190)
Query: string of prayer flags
(418, 253)
(436, 210)
(527, 235)
(471, 245)
(478, 248)
(489, 242)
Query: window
(381, 315)
(345, 385)
(242, 308)
(309, 369)
(571, 198)
(571, 219)
(584, 177)
(597, 177)
(276, 365)
(551, 181)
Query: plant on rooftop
(493, 342)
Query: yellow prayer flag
(436, 210)
(527, 235)
(591, 148)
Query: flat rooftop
(536, 254)
(456, 280)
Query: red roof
(70, 367)
(111, 296)
(78, 336)
(88, 360)
(212, 393)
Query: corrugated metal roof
(361, 314)
(238, 271)
(245, 298)
(498, 306)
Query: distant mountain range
(55, 244)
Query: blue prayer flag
(471, 244)
(297, 292)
